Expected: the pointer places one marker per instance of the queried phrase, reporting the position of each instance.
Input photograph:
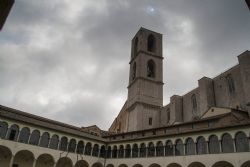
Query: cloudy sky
(68, 60)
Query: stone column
(11, 160)
(34, 163)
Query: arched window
(230, 83)
(13, 132)
(3, 129)
(201, 145)
(241, 142)
(213, 145)
(143, 150)
(134, 71)
(80, 147)
(121, 152)
(95, 150)
(24, 135)
(63, 144)
(190, 147)
(179, 147)
(72, 145)
(169, 150)
(109, 152)
(103, 152)
(151, 150)
(128, 151)
(151, 69)
(44, 140)
(88, 149)
(194, 105)
(34, 137)
(159, 149)
(135, 150)
(114, 152)
(54, 142)
(227, 143)
(151, 43)
(135, 46)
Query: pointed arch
(151, 68)
(151, 43)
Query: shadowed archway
(5, 156)
(196, 164)
(45, 160)
(174, 165)
(81, 163)
(245, 164)
(154, 165)
(222, 164)
(64, 162)
(98, 164)
(24, 158)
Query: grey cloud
(77, 68)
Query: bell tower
(145, 88)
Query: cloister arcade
(74, 152)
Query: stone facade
(144, 108)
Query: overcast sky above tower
(68, 60)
